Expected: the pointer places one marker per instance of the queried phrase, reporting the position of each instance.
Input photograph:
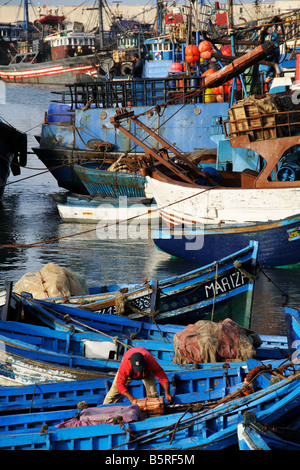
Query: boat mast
(100, 16)
(26, 19)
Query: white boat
(182, 204)
(92, 209)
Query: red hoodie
(125, 369)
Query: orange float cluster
(204, 51)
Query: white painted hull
(108, 214)
(202, 205)
(27, 371)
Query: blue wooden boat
(224, 287)
(23, 365)
(292, 319)
(215, 428)
(39, 364)
(107, 183)
(97, 351)
(252, 435)
(209, 382)
(279, 241)
(203, 385)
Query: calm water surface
(29, 214)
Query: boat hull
(60, 145)
(184, 204)
(13, 152)
(214, 291)
(58, 72)
(131, 211)
(111, 183)
(214, 429)
(279, 241)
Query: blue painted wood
(211, 429)
(32, 346)
(292, 320)
(254, 436)
(110, 183)
(204, 385)
(62, 342)
(183, 299)
(279, 241)
(17, 351)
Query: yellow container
(209, 96)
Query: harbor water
(29, 215)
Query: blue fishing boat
(203, 385)
(224, 287)
(60, 147)
(72, 131)
(187, 385)
(279, 241)
(252, 435)
(95, 357)
(23, 364)
(112, 184)
(96, 350)
(292, 320)
(214, 428)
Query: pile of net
(51, 281)
(104, 415)
(207, 341)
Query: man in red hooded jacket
(138, 364)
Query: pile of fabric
(104, 415)
(207, 341)
(51, 281)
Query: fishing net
(207, 341)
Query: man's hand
(130, 398)
(169, 397)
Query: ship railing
(175, 89)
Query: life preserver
(157, 56)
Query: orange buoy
(226, 50)
(191, 54)
(176, 67)
(205, 49)
(218, 90)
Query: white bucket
(100, 349)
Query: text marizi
(225, 284)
